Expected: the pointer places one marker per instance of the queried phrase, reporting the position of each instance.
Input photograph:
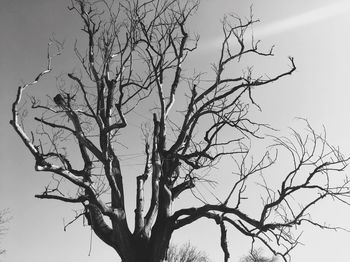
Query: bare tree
(4, 219)
(135, 54)
(255, 255)
(186, 253)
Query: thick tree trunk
(153, 249)
(156, 252)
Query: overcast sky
(314, 32)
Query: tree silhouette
(186, 253)
(255, 255)
(4, 219)
(135, 56)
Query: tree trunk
(155, 248)
(156, 252)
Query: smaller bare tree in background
(186, 253)
(4, 219)
(256, 255)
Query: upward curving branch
(313, 162)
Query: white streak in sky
(307, 18)
(293, 22)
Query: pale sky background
(315, 32)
